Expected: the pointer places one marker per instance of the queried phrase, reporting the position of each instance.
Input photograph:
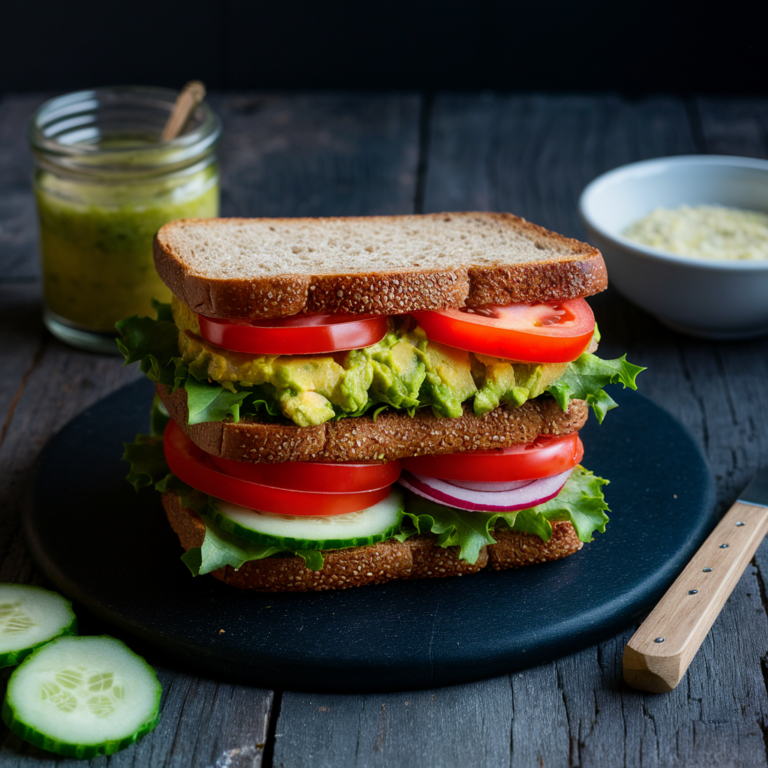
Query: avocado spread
(404, 370)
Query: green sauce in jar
(102, 198)
(97, 257)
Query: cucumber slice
(82, 697)
(355, 529)
(29, 617)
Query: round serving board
(111, 551)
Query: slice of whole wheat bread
(251, 268)
(416, 558)
(392, 435)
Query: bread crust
(575, 270)
(393, 435)
(416, 558)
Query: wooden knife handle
(658, 655)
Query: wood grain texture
(44, 384)
(203, 724)
(733, 126)
(658, 655)
(458, 725)
(532, 155)
(21, 338)
(352, 154)
(18, 223)
(280, 155)
(318, 155)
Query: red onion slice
(532, 494)
(493, 487)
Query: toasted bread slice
(251, 268)
(392, 435)
(416, 558)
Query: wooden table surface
(324, 154)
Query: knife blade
(756, 492)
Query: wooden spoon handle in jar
(189, 97)
(659, 653)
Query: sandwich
(347, 401)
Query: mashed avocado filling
(404, 371)
(580, 502)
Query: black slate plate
(111, 551)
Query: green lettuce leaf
(145, 455)
(585, 378)
(220, 549)
(147, 461)
(190, 497)
(158, 417)
(211, 403)
(163, 311)
(262, 398)
(470, 531)
(379, 410)
(313, 558)
(154, 344)
(581, 502)
(149, 468)
(142, 336)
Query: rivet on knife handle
(659, 653)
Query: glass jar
(105, 183)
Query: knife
(659, 653)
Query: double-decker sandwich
(346, 401)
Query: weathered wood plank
(458, 725)
(324, 154)
(339, 154)
(733, 126)
(715, 716)
(540, 726)
(740, 127)
(21, 335)
(532, 155)
(304, 155)
(723, 692)
(318, 154)
(18, 224)
(203, 722)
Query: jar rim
(74, 114)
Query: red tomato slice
(555, 332)
(314, 476)
(544, 457)
(298, 335)
(192, 465)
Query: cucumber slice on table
(82, 697)
(292, 532)
(29, 617)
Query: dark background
(629, 47)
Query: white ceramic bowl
(717, 299)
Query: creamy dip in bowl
(704, 231)
(711, 295)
